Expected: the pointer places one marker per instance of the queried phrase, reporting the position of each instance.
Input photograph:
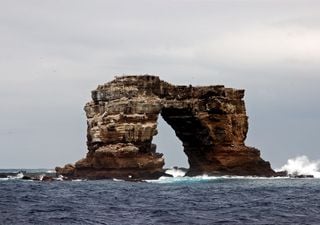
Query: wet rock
(47, 178)
(26, 177)
(66, 170)
(3, 175)
(302, 176)
(282, 174)
(210, 121)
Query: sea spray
(301, 165)
(176, 172)
(18, 176)
(180, 179)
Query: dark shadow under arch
(169, 144)
(194, 136)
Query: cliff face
(210, 121)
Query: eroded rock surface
(210, 121)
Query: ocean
(177, 200)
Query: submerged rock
(210, 121)
(282, 174)
(294, 175)
(47, 178)
(302, 176)
(26, 177)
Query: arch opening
(170, 145)
(193, 135)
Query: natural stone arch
(194, 136)
(210, 121)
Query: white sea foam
(208, 178)
(41, 177)
(18, 176)
(115, 179)
(165, 179)
(77, 180)
(175, 172)
(301, 165)
(59, 178)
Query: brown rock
(47, 178)
(67, 170)
(210, 121)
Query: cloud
(53, 53)
(264, 46)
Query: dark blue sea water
(202, 200)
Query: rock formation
(210, 121)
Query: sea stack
(210, 121)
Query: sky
(53, 53)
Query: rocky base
(123, 174)
(241, 161)
(121, 161)
(210, 121)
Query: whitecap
(205, 177)
(18, 176)
(165, 179)
(301, 165)
(41, 177)
(77, 180)
(59, 178)
(115, 179)
(175, 172)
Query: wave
(18, 176)
(115, 179)
(23, 175)
(301, 165)
(176, 172)
(204, 178)
(182, 179)
(178, 175)
(77, 180)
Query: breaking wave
(18, 176)
(205, 178)
(183, 179)
(178, 176)
(31, 175)
(301, 165)
(176, 172)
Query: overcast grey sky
(53, 53)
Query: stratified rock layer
(210, 121)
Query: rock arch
(210, 121)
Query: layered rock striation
(210, 121)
